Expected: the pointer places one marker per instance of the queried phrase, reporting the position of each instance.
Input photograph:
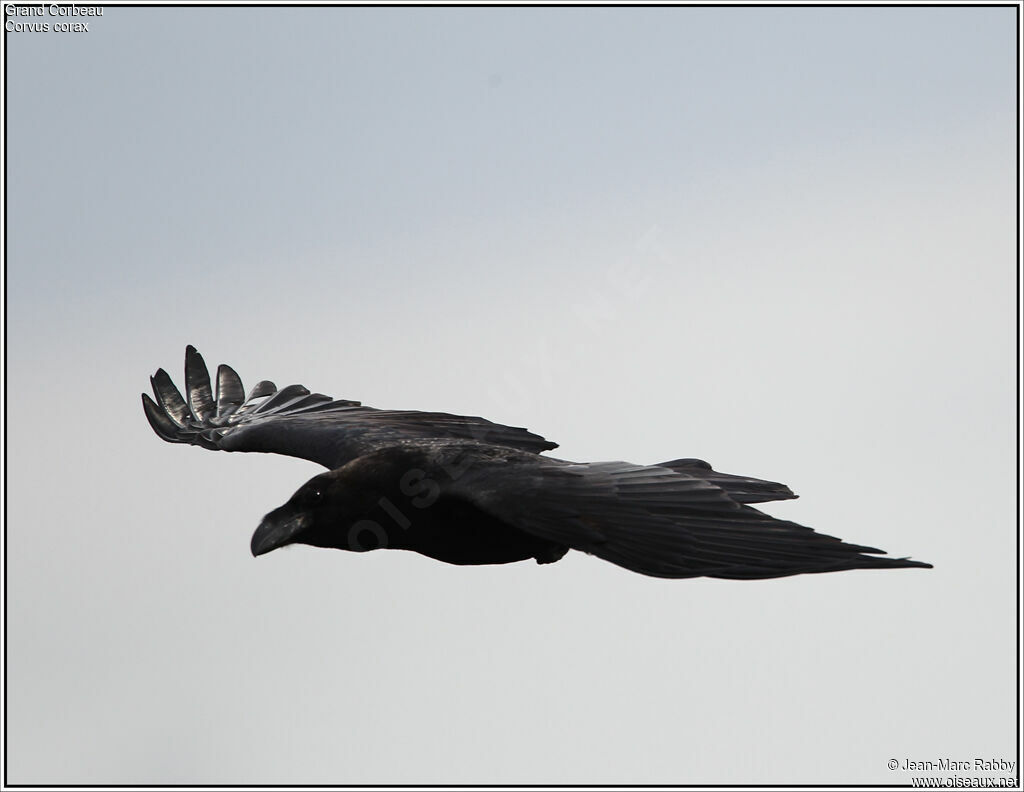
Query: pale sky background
(779, 239)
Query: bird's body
(401, 497)
(464, 490)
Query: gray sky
(779, 239)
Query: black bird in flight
(468, 491)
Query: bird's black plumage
(294, 422)
(468, 491)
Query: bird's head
(321, 513)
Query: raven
(464, 490)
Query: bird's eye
(315, 496)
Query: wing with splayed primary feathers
(294, 422)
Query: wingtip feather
(169, 397)
(230, 392)
(197, 382)
(159, 420)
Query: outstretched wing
(294, 422)
(657, 521)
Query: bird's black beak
(278, 529)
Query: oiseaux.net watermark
(52, 18)
(958, 773)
